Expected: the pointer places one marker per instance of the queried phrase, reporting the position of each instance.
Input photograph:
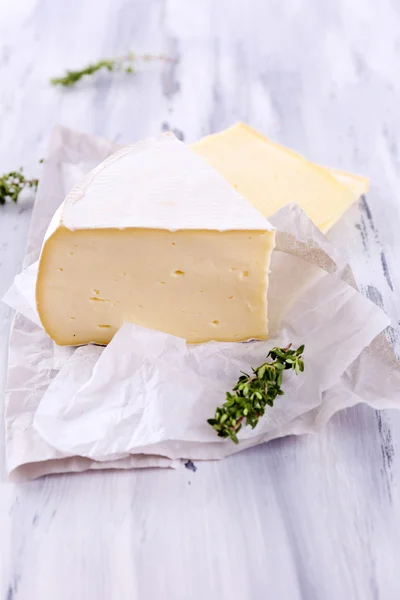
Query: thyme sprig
(253, 393)
(121, 63)
(12, 183)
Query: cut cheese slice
(271, 176)
(156, 237)
(357, 184)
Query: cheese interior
(196, 284)
(270, 176)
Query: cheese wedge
(156, 237)
(270, 175)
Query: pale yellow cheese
(198, 285)
(155, 237)
(271, 176)
(357, 184)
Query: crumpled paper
(144, 399)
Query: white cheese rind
(158, 183)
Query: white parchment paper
(144, 400)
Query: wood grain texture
(308, 518)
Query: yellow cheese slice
(357, 184)
(270, 176)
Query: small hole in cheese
(162, 282)
(60, 269)
(140, 305)
(215, 322)
(201, 291)
(97, 292)
(245, 273)
(104, 326)
(72, 318)
(179, 272)
(230, 297)
(173, 244)
(70, 253)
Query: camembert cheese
(271, 176)
(156, 237)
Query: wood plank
(314, 517)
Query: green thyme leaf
(253, 393)
(123, 63)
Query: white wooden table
(310, 518)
